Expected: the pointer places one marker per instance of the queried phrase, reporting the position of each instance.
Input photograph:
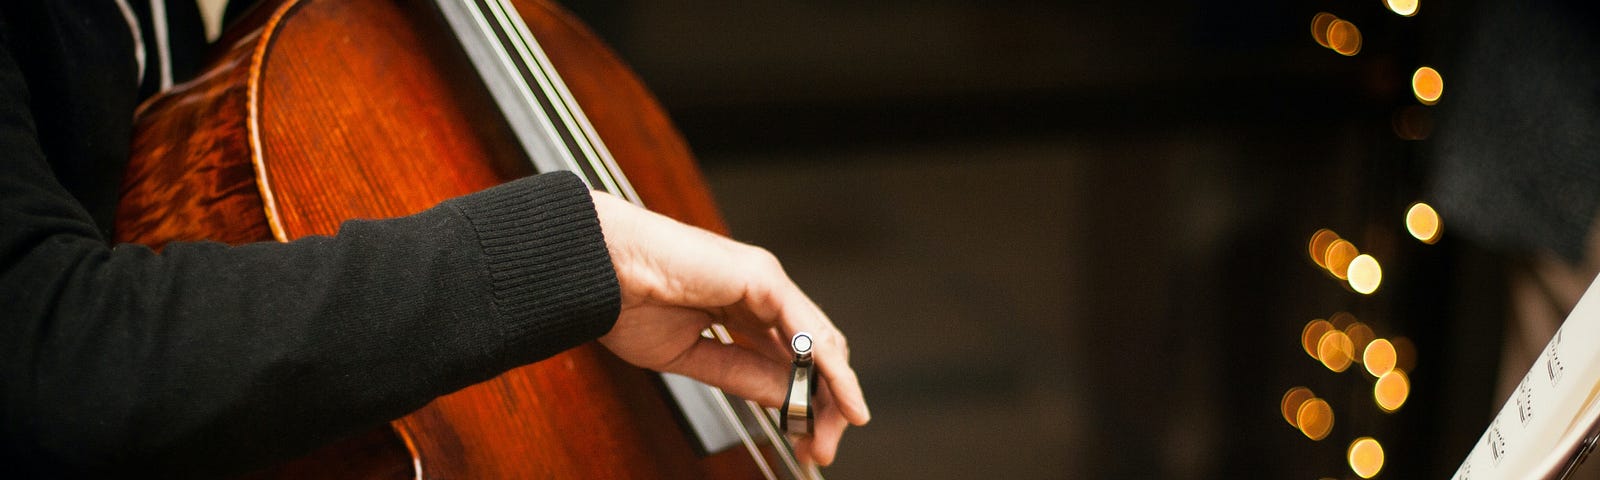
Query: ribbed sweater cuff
(550, 275)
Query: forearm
(207, 357)
(125, 356)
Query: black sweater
(209, 359)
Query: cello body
(313, 112)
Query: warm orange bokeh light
(1318, 247)
(1427, 85)
(1366, 457)
(1339, 256)
(1344, 37)
(1405, 8)
(1360, 335)
(1405, 354)
(1364, 274)
(1319, 27)
(1335, 351)
(1341, 320)
(1423, 222)
(1391, 390)
(1313, 333)
(1315, 419)
(1292, 400)
(1379, 357)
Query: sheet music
(1545, 422)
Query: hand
(677, 280)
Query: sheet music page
(1536, 423)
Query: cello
(312, 112)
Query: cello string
(764, 418)
(138, 37)
(521, 85)
(158, 24)
(532, 57)
(599, 157)
(575, 115)
(593, 149)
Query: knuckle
(842, 344)
(765, 258)
(837, 340)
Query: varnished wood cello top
(326, 110)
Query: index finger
(792, 312)
(832, 353)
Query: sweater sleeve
(207, 358)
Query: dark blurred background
(1071, 240)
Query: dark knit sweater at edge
(207, 359)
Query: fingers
(834, 363)
(833, 356)
(823, 444)
(750, 375)
(773, 299)
(735, 370)
(771, 380)
(664, 265)
(757, 336)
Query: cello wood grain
(320, 111)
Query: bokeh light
(1405, 8)
(1391, 390)
(1344, 37)
(1360, 335)
(1292, 400)
(1312, 333)
(1318, 246)
(1339, 256)
(1315, 419)
(1423, 222)
(1335, 351)
(1427, 85)
(1342, 320)
(1364, 274)
(1379, 357)
(1366, 457)
(1405, 354)
(1319, 27)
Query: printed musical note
(1537, 431)
(1496, 442)
(1552, 361)
(1525, 401)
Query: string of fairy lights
(1342, 340)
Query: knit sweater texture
(207, 359)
